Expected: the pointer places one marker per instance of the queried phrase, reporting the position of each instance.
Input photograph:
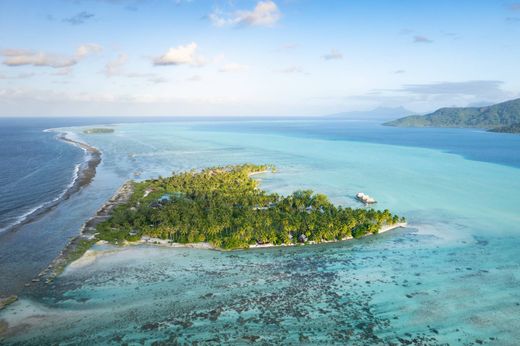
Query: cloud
(265, 13)
(233, 67)
(293, 70)
(431, 96)
(194, 78)
(181, 55)
(333, 55)
(515, 6)
(113, 67)
(87, 49)
(79, 18)
(399, 71)
(476, 88)
(20, 57)
(18, 76)
(289, 46)
(421, 39)
(513, 19)
(150, 77)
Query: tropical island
(98, 130)
(501, 117)
(223, 206)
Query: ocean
(451, 277)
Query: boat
(364, 198)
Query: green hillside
(515, 128)
(502, 114)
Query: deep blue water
(472, 144)
(35, 168)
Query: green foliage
(501, 114)
(515, 128)
(224, 206)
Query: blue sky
(280, 57)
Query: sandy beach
(74, 247)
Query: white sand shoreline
(208, 246)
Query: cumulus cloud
(233, 67)
(181, 55)
(265, 13)
(333, 55)
(79, 18)
(20, 57)
(421, 39)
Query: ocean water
(35, 169)
(452, 276)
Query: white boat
(364, 198)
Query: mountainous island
(223, 206)
(501, 117)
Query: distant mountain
(502, 114)
(381, 113)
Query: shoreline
(90, 255)
(80, 244)
(78, 249)
(83, 174)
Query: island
(225, 208)
(98, 130)
(501, 117)
(515, 128)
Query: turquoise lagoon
(451, 277)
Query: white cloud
(87, 49)
(194, 78)
(181, 55)
(20, 57)
(113, 67)
(18, 76)
(293, 69)
(333, 55)
(265, 13)
(233, 67)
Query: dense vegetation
(498, 115)
(225, 207)
(98, 130)
(515, 128)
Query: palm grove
(224, 206)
